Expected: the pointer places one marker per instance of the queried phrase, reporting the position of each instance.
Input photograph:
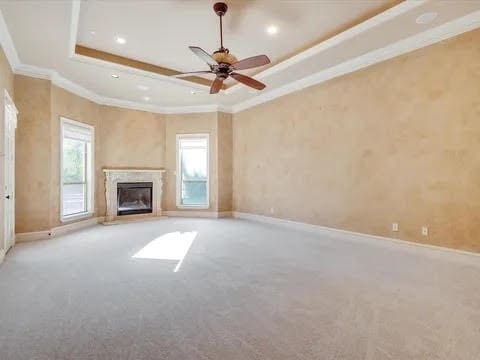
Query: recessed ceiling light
(115, 76)
(193, 92)
(146, 98)
(426, 18)
(142, 87)
(272, 30)
(120, 40)
(92, 32)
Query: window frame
(89, 169)
(179, 175)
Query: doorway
(9, 126)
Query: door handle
(7, 197)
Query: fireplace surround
(132, 194)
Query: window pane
(194, 164)
(74, 199)
(193, 143)
(194, 193)
(73, 161)
(194, 171)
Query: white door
(10, 124)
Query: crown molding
(165, 109)
(64, 83)
(337, 39)
(428, 37)
(72, 43)
(7, 44)
(58, 80)
(74, 17)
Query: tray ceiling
(313, 37)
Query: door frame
(8, 103)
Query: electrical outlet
(424, 231)
(394, 227)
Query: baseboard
(32, 236)
(2, 255)
(57, 231)
(67, 228)
(198, 214)
(224, 214)
(351, 235)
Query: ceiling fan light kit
(223, 64)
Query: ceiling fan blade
(202, 54)
(251, 62)
(192, 73)
(216, 86)
(247, 80)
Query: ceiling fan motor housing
(223, 56)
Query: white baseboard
(2, 255)
(57, 231)
(350, 235)
(198, 214)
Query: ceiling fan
(223, 64)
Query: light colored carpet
(243, 291)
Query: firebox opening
(134, 198)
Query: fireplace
(138, 191)
(134, 198)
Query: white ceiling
(159, 32)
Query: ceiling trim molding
(7, 44)
(58, 80)
(75, 16)
(73, 55)
(110, 58)
(428, 37)
(66, 84)
(164, 109)
(337, 39)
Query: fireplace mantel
(115, 176)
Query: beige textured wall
(123, 138)
(225, 166)
(33, 154)
(130, 138)
(6, 82)
(397, 142)
(189, 124)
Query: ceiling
(314, 37)
(160, 32)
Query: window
(192, 171)
(77, 141)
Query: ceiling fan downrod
(220, 9)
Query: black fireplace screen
(134, 198)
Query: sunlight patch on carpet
(171, 246)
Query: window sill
(74, 217)
(193, 207)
